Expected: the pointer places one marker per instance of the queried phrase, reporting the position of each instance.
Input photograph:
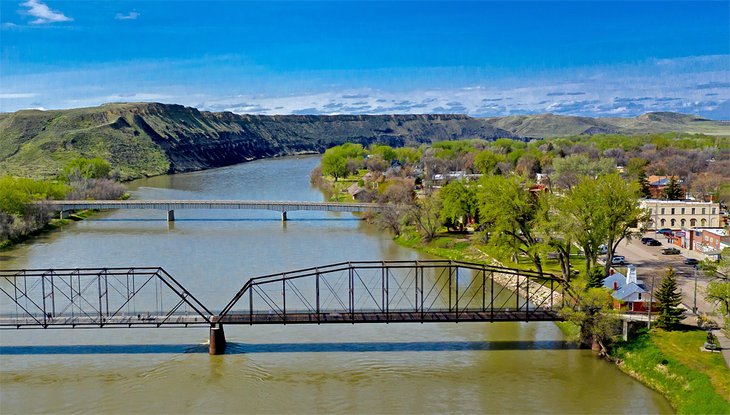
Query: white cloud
(17, 95)
(133, 15)
(43, 13)
(618, 90)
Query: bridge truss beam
(96, 297)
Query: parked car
(645, 240)
(618, 260)
(664, 231)
(602, 250)
(670, 251)
(691, 261)
(654, 242)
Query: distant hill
(550, 125)
(149, 138)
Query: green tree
(618, 215)
(407, 155)
(334, 164)
(643, 184)
(718, 292)
(487, 161)
(426, 215)
(512, 212)
(580, 214)
(385, 152)
(87, 168)
(592, 312)
(459, 203)
(673, 191)
(554, 227)
(669, 299)
(569, 170)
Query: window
(682, 222)
(672, 211)
(683, 211)
(663, 221)
(693, 211)
(703, 211)
(662, 211)
(693, 222)
(673, 223)
(639, 296)
(703, 222)
(713, 211)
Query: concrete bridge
(65, 206)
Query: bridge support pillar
(64, 214)
(283, 216)
(217, 343)
(171, 216)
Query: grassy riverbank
(51, 226)
(695, 382)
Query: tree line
(81, 178)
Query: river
(396, 368)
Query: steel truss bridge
(348, 292)
(170, 206)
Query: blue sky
(480, 58)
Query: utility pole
(694, 307)
(651, 301)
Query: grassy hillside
(550, 125)
(149, 138)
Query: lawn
(695, 382)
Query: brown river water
(398, 368)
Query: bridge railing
(103, 297)
(387, 289)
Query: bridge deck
(279, 206)
(290, 318)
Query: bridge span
(432, 291)
(64, 206)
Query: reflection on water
(243, 348)
(393, 368)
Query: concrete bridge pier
(217, 344)
(283, 216)
(171, 216)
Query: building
(676, 214)
(629, 294)
(712, 241)
(657, 184)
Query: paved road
(650, 261)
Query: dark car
(645, 240)
(670, 251)
(654, 242)
(691, 261)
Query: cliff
(149, 138)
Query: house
(657, 184)
(358, 193)
(676, 214)
(455, 175)
(629, 294)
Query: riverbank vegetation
(21, 218)
(562, 202)
(673, 363)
